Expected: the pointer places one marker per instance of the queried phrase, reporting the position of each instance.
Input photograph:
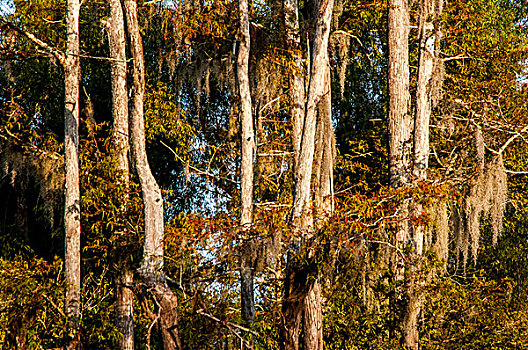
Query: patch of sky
(7, 7)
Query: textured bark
(124, 310)
(325, 154)
(400, 131)
(297, 285)
(297, 88)
(429, 10)
(72, 220)
(117, 46)
(313, 319)
(400, 121)
(246, 164)
(153, 202)
(301, 217)
(152, 263)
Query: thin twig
(149, 331)
(348, 34)
(59, 310)
(228, 324)
(198, 171)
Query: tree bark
(297, 88)
(400, 132)
(298, 290)
(72, 219)
(429, 10)
(152, 263)
(153, 202)
(124, 309)
(400, 121)
(246, 164)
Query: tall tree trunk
(400, 131)
(429, 10)
(324, 162)
(292, 306)
(72, 219)
(400, 121)
(297, 284)
(246, 164)
(297, 88)
(152, 263)
(124, 309)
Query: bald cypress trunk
(246, 164)
(151, 269)
(297, 88)
(124, 309)
(429, 10)
(301, 288)
(400, 145)
(400, 120)
(72, 219)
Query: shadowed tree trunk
(151, 269)
(246, 165)
(124, 310)
(72, 220)
(298, 284)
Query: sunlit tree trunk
(246, 164)
(72, 219)
(400, 120)
(297, 88)
(400, 144)
(324, 163)
(152, 263)
(429, 10)
(297, 284)
(124, 310)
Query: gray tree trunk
(246, 164)
(297, 88)
(152, 263)
(429, 10)
(72, 219)
(301, 294)
(400, 144)
(124, 309)
(324, 203)
(400, 121)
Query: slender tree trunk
(246, 166)
(324, 163)
(152, 264)
(124, 309)
(400, 121)
(72, 219)
(429, 11)
(400, 143)
(292, 306)
(297, 88)
(297, 284)
(153, 202)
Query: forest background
(320, 174)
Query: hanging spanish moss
(44, 169)
(487, 196)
